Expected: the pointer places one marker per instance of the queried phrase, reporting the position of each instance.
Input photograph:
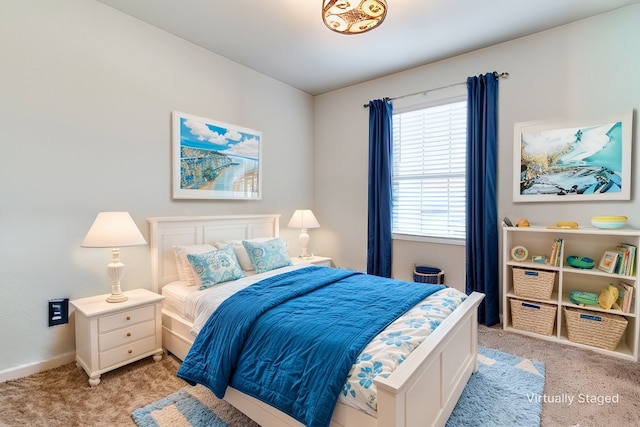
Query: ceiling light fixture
(353, 17)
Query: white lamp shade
(113, 230)
(303, 219)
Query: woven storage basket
(597, 329)
(533, 317)
(423, 274)
(529, 283)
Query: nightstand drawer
(126, 352)
(126, 335)
(120, 320)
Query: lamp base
(304, 244)
(117, 298)
(115, 271)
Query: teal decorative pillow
(269, 255)
(241, 252)
(217, 266)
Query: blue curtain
(379, 217)
(482, 221)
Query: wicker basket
(596, 329)
(423, 274)
(528, 283)
(533, 317)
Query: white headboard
(166, 232)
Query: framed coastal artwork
(215, 160)
(560, 162)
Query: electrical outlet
(58, 311)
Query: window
(428, 178)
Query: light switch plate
(58, 311)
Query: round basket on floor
(424, 274)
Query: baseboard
(34, 368)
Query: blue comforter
(290, 340)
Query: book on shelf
(630, 264)
(622, 258)
(556, 253)
(625, 264)
(625, 296)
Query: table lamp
(114, 230)
(303, 219)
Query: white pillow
(185, 270)
(241, 252)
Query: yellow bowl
(609, 221)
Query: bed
(423, 390)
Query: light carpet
(506, 391)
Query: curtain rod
(424, 92)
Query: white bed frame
(422, 391)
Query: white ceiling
(286, 39)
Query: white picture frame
(215, 160)
(608, 261)
(573, 161)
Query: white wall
(585, 70)
(86, 95)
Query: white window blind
(429, 160)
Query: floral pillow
(216, 266)
(241, 252)
(267, 256)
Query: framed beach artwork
(573, 161)
(215, 160)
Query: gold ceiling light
(353, 16)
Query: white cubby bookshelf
(583, 242)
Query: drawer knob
(128, 334)
(128, 317)
(130, 351)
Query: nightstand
(111, 335)
(315, 260)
